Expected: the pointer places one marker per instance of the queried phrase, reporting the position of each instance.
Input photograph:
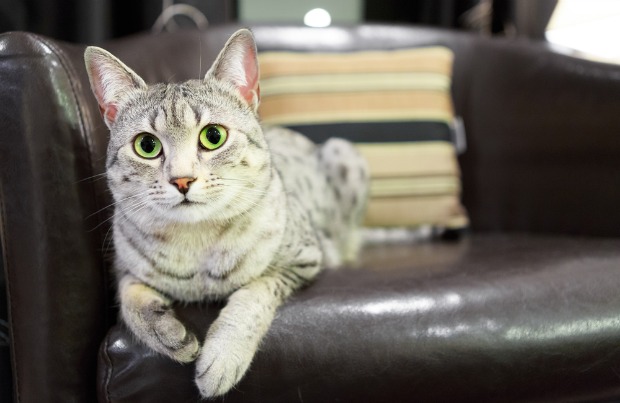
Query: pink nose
(182, 184)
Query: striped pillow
(395, 105)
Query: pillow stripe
(358, 82)
(336, 107)
(433, 59)
(351, 116)
(400, 187)
(388, 160)
(390, 131)
(398, 212)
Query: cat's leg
(347, 174)
(234, 337)
(149, 315)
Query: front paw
(179, 343)
(221, 365)
(156, 325)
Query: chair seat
(492, 317)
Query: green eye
(147, 146)
(213, 136)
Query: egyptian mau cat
(210, 206)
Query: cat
(210, 206)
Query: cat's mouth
(187, 203)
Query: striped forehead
(177, 111)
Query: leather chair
(524, 308)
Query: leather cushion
(492, 317)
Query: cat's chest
(188, 254)
(192, 265)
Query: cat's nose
(182, 184)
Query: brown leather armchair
(524, 308)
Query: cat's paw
(180, 344)
(220, 366)
(158, 327)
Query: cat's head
(184, 152)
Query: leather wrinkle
(109, 367)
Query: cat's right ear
(111, 80)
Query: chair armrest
(56, 281)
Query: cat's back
(287, 143)
(295, 158)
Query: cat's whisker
(248, 182)
(134, 206)
(105, 238)
(251, 204)
(200, 56)
(135, 211)
(236, 185)
(241, 195)
(102, 222)
(116, 214)
(93, 178)
(246, 188)
(249, 194)
(254, 200)
(112, 204)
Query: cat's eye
(213, 136)
(147, 146)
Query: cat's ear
(111, 80)
(237, 63)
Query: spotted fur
(262, 216)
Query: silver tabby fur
(266, 212)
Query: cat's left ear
(111, 80)
(237, 63)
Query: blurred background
(586, 28)
(94, 21)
